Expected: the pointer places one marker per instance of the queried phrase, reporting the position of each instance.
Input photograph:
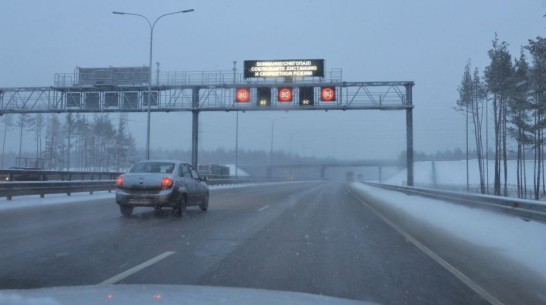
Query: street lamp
(152, 26)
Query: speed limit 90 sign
(328, 94)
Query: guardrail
(229, 181)
(15, 188)
(48, 175)
(10, 189)
(218, 180)
(524, 208)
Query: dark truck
(19, 173)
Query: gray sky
(428, 42)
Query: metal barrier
(241, 180)
(49, 175)
(10, 189)
(524, 208)
(13, 188)
(221, 181)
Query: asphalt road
(312, 237)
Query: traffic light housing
(264, 97)
(307, 96)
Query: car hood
(163, 294)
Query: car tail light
(166, 183)
(119, 182)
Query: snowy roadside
(509, 236)
(18, 202)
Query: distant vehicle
(160, 184)
(213, 170)
(19, 173)
(350, 176)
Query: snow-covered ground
(506, 235)
(454, 173)
(51, 199)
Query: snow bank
(509, 236)
(52, 199)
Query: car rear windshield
(153, 167)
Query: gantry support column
(195, 128)
(409, 133)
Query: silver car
(159, 184)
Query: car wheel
(181, 207)
(126, 210)
(204, 205)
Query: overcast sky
(428, 42)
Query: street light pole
(152, 26)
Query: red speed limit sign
(242, 95)
(285, 95)
(328, 94)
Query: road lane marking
(136, 269)
(263, 208)
(456, 272)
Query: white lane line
(263, 208)
(456, 272)
(136, 269)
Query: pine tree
(537, 76)
(24, 123)
(69, 127)
(471, 98)
(519, 109)
(479, 96)
(463, 104)
(54, 143)
(38, 126)
(498, 77)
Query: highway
(312, 237)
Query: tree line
(512, 90)
(98, 143)
(76, 143)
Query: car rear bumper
(145, 200)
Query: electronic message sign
(284, 68)
(264, 96)
(307, 96)
(113, 76)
